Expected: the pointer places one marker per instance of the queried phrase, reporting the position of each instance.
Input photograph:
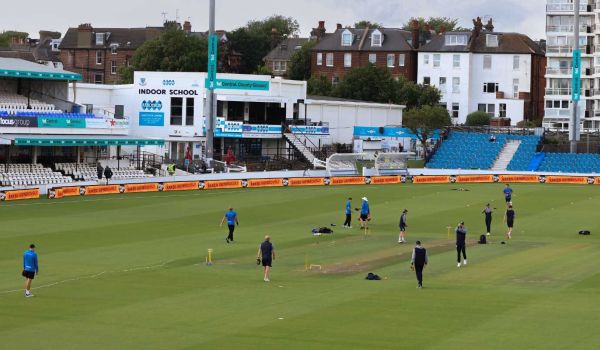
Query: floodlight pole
(574, 131)
(210, 93)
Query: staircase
(506, 155)
(299, 145)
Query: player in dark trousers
(30, 268)
(509, 217)
(365, 214)
(403, 226)
(266, 255)
(348, 210)
(232, 220)
(461, 242)
(488, 218)
(418, 262)
(508, 194)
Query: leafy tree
(364, 24)
(478, 118)
(414, 95)
(368, 83)
(299, 66)
(424, 120)
(257, 38)
(5, 37)
(436, 23)
(263, 70)
(320, 86)
(173, 51)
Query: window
(426, 59)
(456, 61)
(436, 59)
(481, 107)
(454, 39)
(487, 108)
(176, 110)
(113, 67)
(490, 88)
(515, 88)
(487, 62)
(329, 60)
(98, 57)
(390, 60)
(373, 58)
(347, 60)
(283, 66)
(426, 81)
(455, 85)
(335, 80)
(319, 59)
(516, 62)
(189, 111)
(491, 40)
(99, 38)
(376, 38)
(98, 78)
(502, 110)
(346, 38)
(442, 84)
(276, 66)
(401, 59)
(113, 49)
(455, 110)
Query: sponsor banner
(388, 132)
(431, 179)
(71, 191)
(98, 190)
(264, 183)
(18, 122)
(216, 184)
(381, 180)
(306, 181)
(580, 180)
(139, 188)
(474, 178)
(348, 180)
(519, 178)
(597, 181)
(180, 186)
(235, 84)
(16, 195)
(55, 193)
(53, 122)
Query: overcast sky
(525, 16)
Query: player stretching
(488, 218)
(510, 220)
(30, 268)
(348, 222)
(232, 220)
(365, 214)
(461, 242)
(403, 226)
(508, 194)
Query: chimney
(187, 27)
(274, 37)
(339, 26)
(477, 27)
(489, 26)
(321, 25)
(415, 31)
(84, 35)
(318, 33)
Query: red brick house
(97, 53)
(348, 48)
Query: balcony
(558, 112)
(567, 50)
(558, 91)
(570, 28)
(559, 71)
(569, 7)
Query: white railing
(565, 7)
(559, 71)
(567, 28)
(558, 91)
(557, 112)
(559, 49)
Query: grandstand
(15, 104)
(569, 162)
(22, 175)
(88, 172)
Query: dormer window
(346, 38)
(376, 38)
(491, 40)
(99, 38)
(455, 39)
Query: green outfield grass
(128, 272)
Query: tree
(478, 118)
(263, 70)
(257, 38)
(436, 23)
(320, 86)
(172, 51)
(364, 24)
(5, 37)
(414, 95)
(423, 121)
(368, 83)
(299, 67)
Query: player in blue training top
(232, 220)
(365, 214)
(30, 268)
(348, 211)
(508, 194)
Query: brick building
(97, 53)
(278, 59)
(347, 48)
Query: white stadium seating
(13, 103)
(22, 175)
(87, 172)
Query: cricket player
(488, 218)
(266, 255)
(509, 218)
(30, 268)
(232, 220)
(461, 243)
(508, 194)
(348, 210)
(418, 262)
(365, 214)
(403, 226)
